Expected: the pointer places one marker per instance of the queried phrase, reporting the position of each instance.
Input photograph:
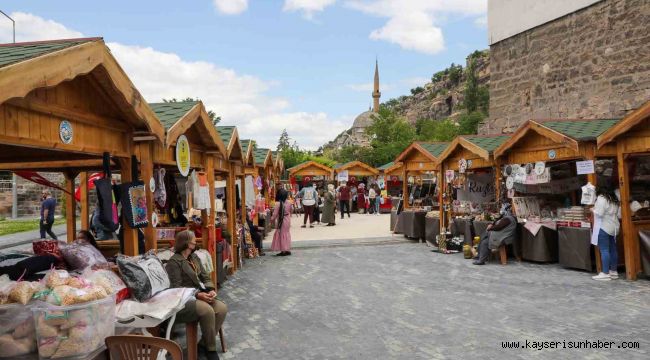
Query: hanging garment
(203, 193)
(160, 195)
(250, 192)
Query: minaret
(375, 93)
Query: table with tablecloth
(413, 223)
(574, 248)
(395, 226)
(431, 228)
(542, 246)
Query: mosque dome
(363, 120)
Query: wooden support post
(590, 154)
(130, 234)
(70, 206)
(497, 180)
(629, 236)
(405, 187)
(145, 151)
(231, 211)
(85, 207)
(208, 218)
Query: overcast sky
(265, 65)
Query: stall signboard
(183, 155)
(585, 167)
(480, 189)
(342, 176)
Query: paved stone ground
(398, 300)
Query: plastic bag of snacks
(17, 336)
(81, 254)
(56, 278)
(73, 331)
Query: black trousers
(344, 205)
(309, 214)
(47, 228)
(28, 267)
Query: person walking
(372, 196)
(378, 198)
(329, 206)
(48, 207)
(308, 195)
(185, 270)
(344, 199)
(282, 214)
(606, 212)
(361, 198)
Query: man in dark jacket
(344, 199)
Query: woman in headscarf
(185, 270)
(282, 214)
(329, 206)
(361, 198)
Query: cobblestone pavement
(400, 301)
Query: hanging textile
(134, 199)
(160, 195)
(250, 191)
(202, 195)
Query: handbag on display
(134, 199)
(106, 197)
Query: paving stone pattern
(401, 301)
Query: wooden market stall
(235, 190)
(470, 203)
(263, 188)
(392, 173)
(545, 163)
(631, 136)
(191, 144)
(63, 104)
(421, 165)
(358, 172)
(309, 171)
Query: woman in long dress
(329, 206)
(282, 214)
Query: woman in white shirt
(607, 209)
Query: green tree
(455, 73)
(215, 119)
(468, 123)
(437, 130)
(417, 90)
(284, 141)
(390, 134)
(471, 88)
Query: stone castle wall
(594, 63)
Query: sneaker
(476, 262)
(602, 277)
(613, 274)
(303, 226)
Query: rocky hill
(442, 97)
(439, 99)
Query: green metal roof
(260, 156)
(386, 166)
(435, 149)
(170, 112)
(488, 143)
(14, 53)
(226, 133)
(581, 130)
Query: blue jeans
(377, 204)
(608, 252)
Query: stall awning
(629, 122)
(481, 145)
(230, 137)
(357, 168)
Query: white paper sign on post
(342, 176)
(585, 167)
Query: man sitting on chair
(501, 231)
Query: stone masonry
(594, 63)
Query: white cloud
(415, 81)
(33, 28)
(240, 99)
(481, 22)
(311, 130)
(231, 7)
(307, 7)
(415, 24)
